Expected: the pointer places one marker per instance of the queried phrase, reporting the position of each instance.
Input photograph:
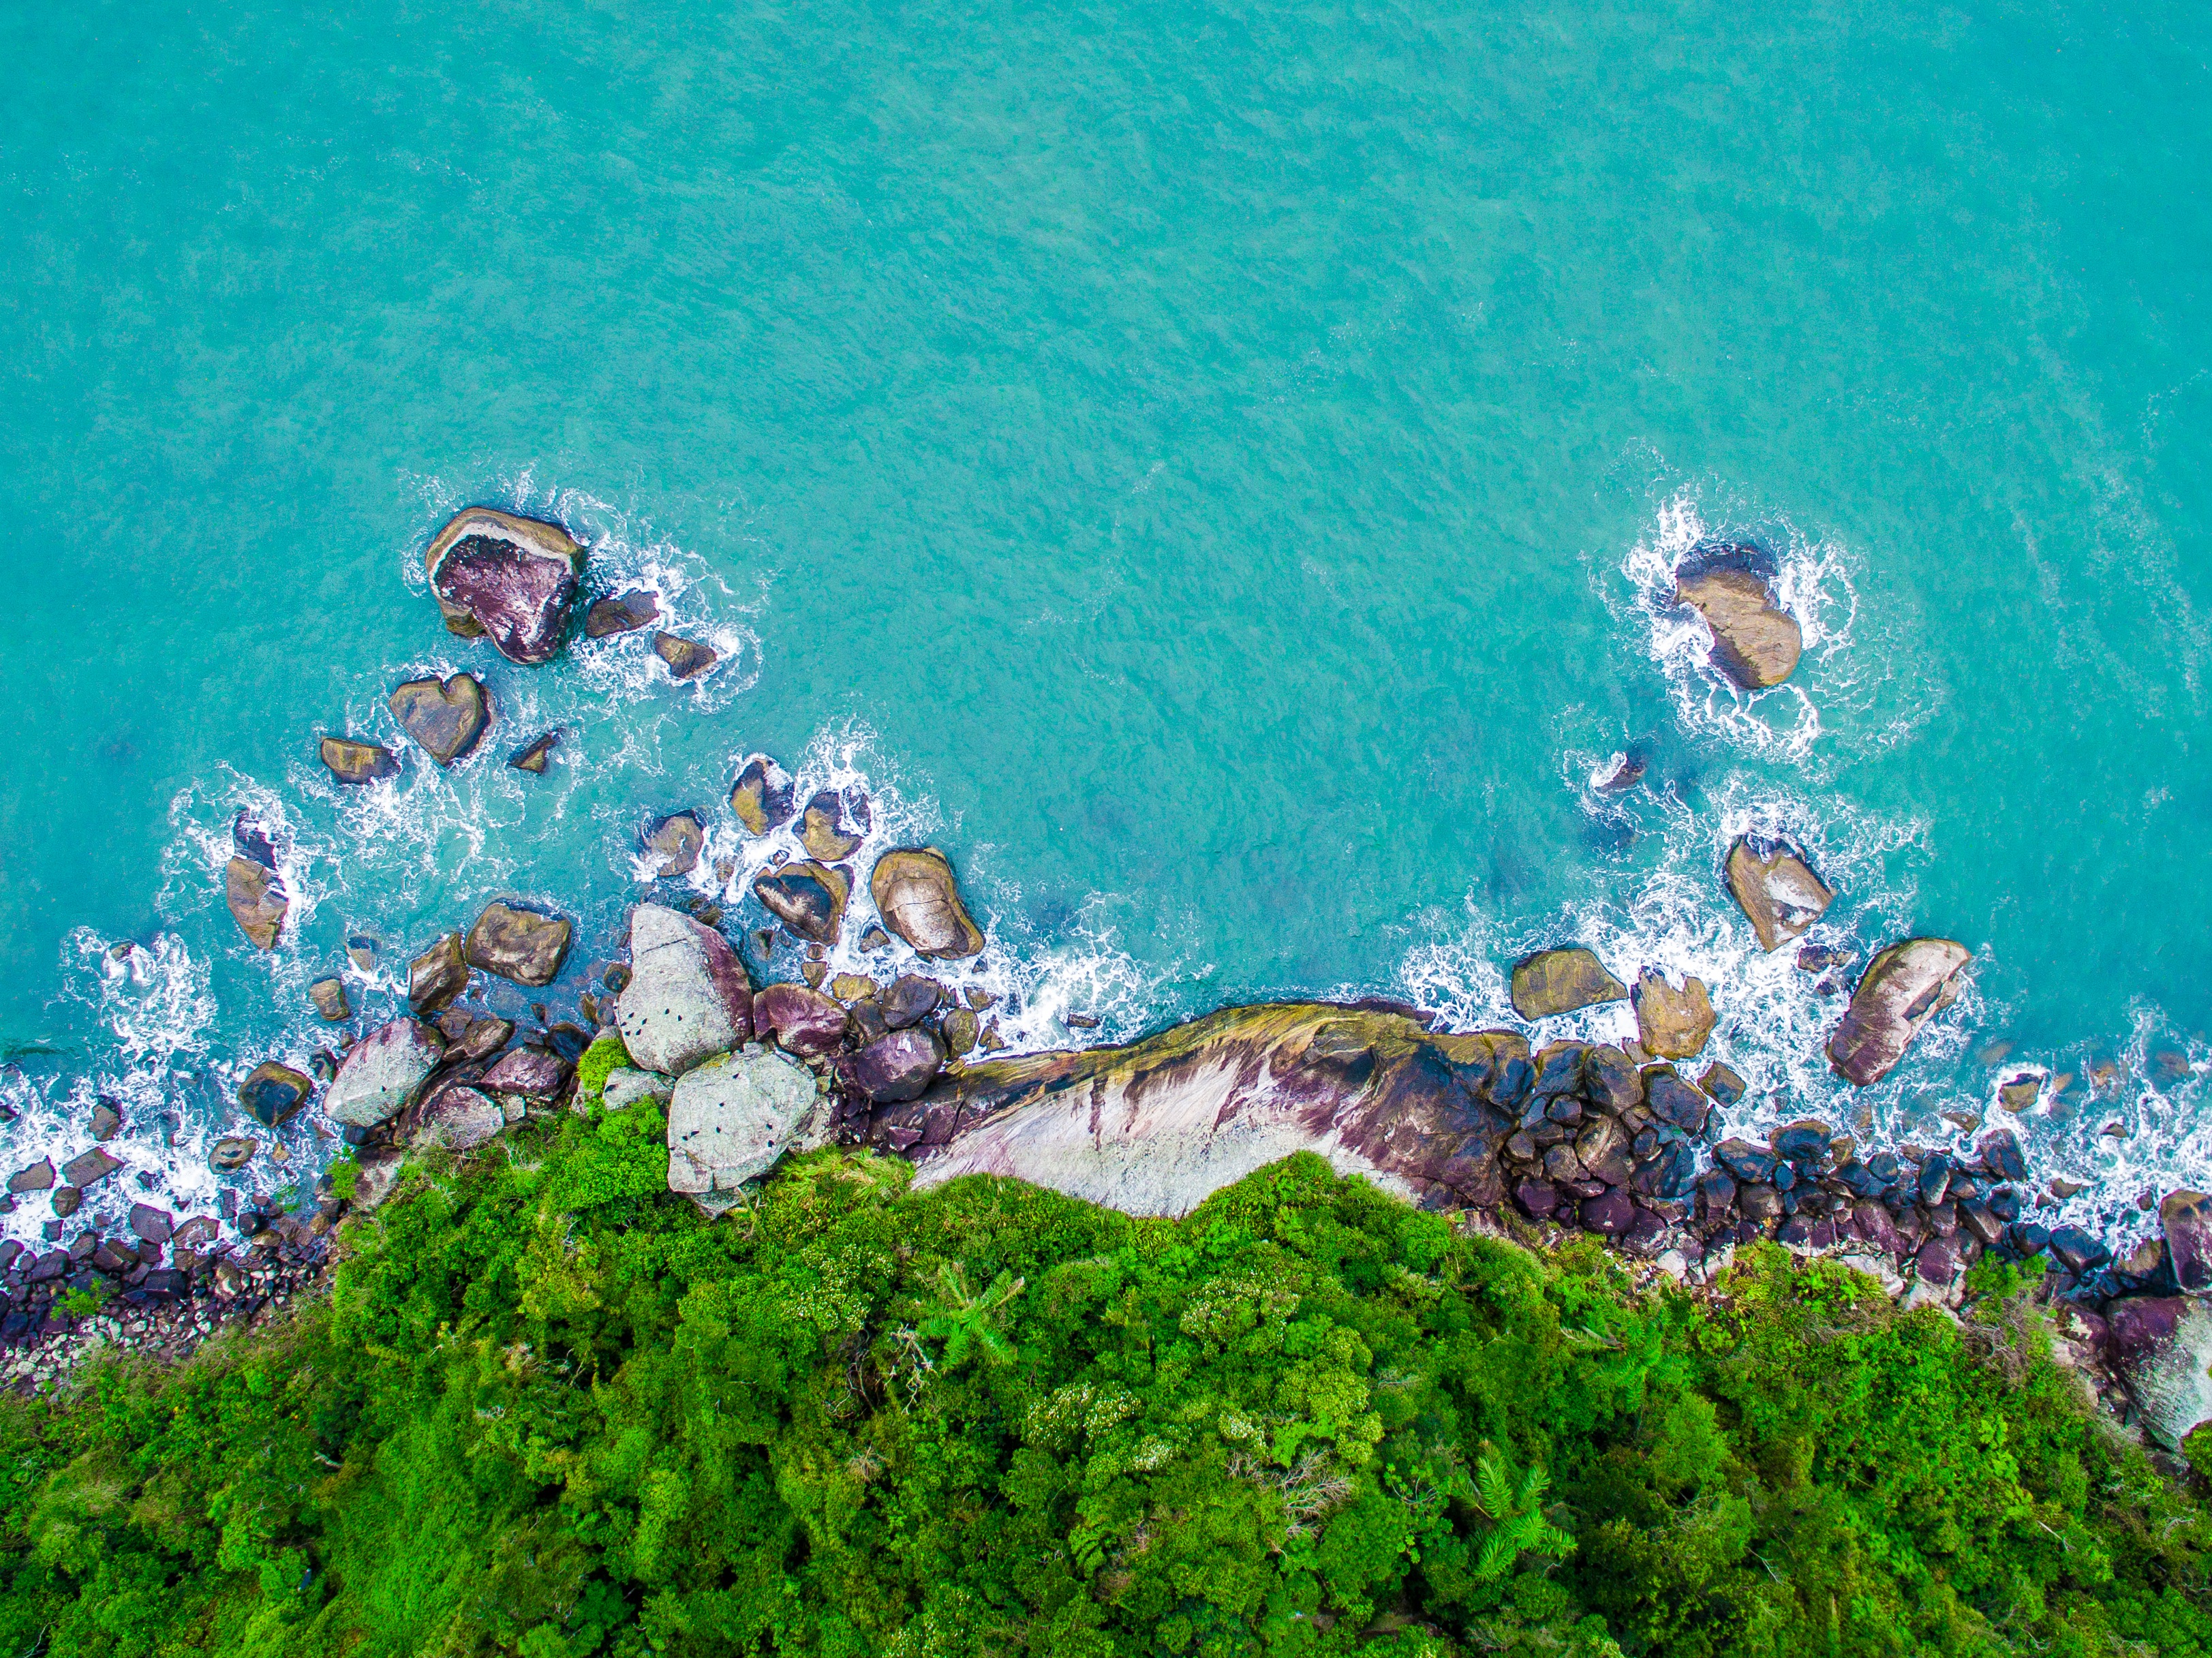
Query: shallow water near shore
(1207, 472)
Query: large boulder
(437, 975)
(509, 579)
(1671, 1023)
(730, 1119)
(2186, 1219)
(257, 901)
(1776, 889)
(688, 996)
(622, 613)
(382, 1073)
(919, 899)
(528, 1073)
(823, 831)
(1560, 982)
(445, 716)
(1756, 642)
(761, 797)
(1152, 1127)
(897, 1066)
(807, 897)
(673, 844)
(271, 1092)
(2162, 1347)
(519, 944)
(352, 762)
(1902, 987)
(687, 658)
(802, 1021)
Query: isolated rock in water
(1629, 772)
(508, 578)
(1560, 982)
(762, 796)
(917, 896)
(382, 1073)
(437, 975)
(529, 1073)
(256, 898)
(2186, 1219)
(532, 755)
(2162, 1348)
(802, 1021)
(687, 658)
(361, 951)
(107, 1120)
(38, 1177)
(330, 1000)
(445, 717)
(729, 1120)
(519, 944)
(1756, 642)
(688, 996)
(89, 1167)
(807, 897)
(675, 840)
(1671, 1023)
(233, 1151)
(623, 613)
(895, 1067)
(823, 829)
(461, 1118)
(1153, 1127)
(249, 840)
(271, 1092)
(1776, 889)
(358, 763)
(1902, 987)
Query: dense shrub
(549, 1410)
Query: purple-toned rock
(1902, 987)
(687, 658)
(2000, 1155)
(2162, 1347)
(522, 945)
(510, 579)
(528, 1073)
(801, 1020)
(910, 999)
(1673, 1101)
(437, 975)
(383, 1073)
(894, 1068)
(1871, 1221)
(1538, 1199)
(1611, 1082)
(152, 1224)
(2078, 1251)
(89, 1167)
(688, 996)
(2186, 1217)
(807, 897)
(460, 1118)
(1612, 1215)
(1936, 1262)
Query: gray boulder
(730, 1119)
(688, 996)
(382, 1073)
(460, 1118)
(626, 1087)
(1902, 987)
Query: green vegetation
(549, 1410)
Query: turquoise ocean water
(1203, 467)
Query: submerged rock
(532, 755)
(445, 717)
(687, 658)
(1154, 1126)
(730, 1119)
(688, 995)
(1902, 987)
(510, 579)
(1671, 1023)
(801, 1020)
(823, 829)
(521, 946)
(1756, 642)
(232, 1152)
(762, 796)
(1561, 982)
(437, 975)
(675, 840)
(352, 762)
(382, 1073)
(919, 899)
(807, 897)
(272, 1092)
(1776, 889)
(622, 614)
(257, 901)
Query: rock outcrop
(1756, 642)
(445, 716)
(687, 658)
(919, 899)
(521, 946)
(382, 1073)
(1776, 889)
(1671, 1023)
(509, 579)
(761, 797)
(357, 762)
(807, 897)
(729, 1120)
(255, 894)
(1902, 987)
(1561, 982)
(532, 755)
(688, 996)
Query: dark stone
(1558, 1069)
(1937, 1262)
(2079, 1252)
(2000, 1155)
(165, 1284)
(272, 1092)
(1796, 1233)
(532, 755)
(250, 840)
(1722, 1083)
(1716, 1191)
(2185, 1218)
(1934, 1178)
(330, 1000)
(445, 717)
(529, 1073)
(622, 614)
(762, 796)
(1538, 1199)
(912, 999)
(232, 1151)
(107, 1120)
(154, 1225)
(807, 897)
(1759, 1201)
(1902, 989)
(437, 975)
(802, 1021)
(1674, 1102)
(1565, 1110)
(90, 1168)
(1856, 1178)
(478, 1039)
(897, 1068)
(351, 761)
(2004, 1203)
(38, 1177)
(569, 1041)
(1976, 1217)
(66, 1199)
(1744, 1160)
(1611, 1216)
(687, 658)
(823, 829)
(1611, 1081)
(509, 579)
(1805, 1143)
(1871, 1222)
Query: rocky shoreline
(1618, 1140)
